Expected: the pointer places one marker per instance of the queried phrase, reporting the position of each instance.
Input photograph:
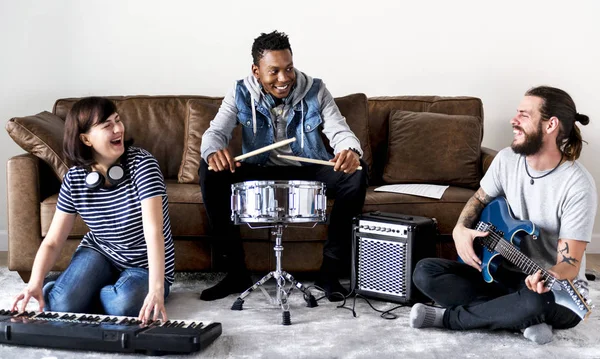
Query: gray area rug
(326, 331)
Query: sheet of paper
(423, 190)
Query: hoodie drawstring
(253, 116)
(302, 125)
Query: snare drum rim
(278, 183)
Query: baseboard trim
(594, 245)
(3, 241)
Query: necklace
(531, 180)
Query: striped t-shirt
(114, 215)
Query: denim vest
(264, 136)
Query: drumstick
(310, 160)
(262, 149)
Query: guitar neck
(511, 253)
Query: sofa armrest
(487, 155)
(23, 203)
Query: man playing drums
(278, 102)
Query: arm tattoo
(482, 197)
(564, 252)
(473, 208)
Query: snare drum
(278, 202)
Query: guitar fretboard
(496, 242)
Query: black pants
(473, 303)
(349, 191)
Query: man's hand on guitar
(463, 240)
(222, 160)
(535, 283)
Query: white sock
(423, 316)
(539, 333)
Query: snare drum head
(278, 201)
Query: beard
(532, 144)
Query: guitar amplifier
(385, 249)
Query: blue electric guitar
(502, 243)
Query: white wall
(492, 50)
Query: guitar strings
(516, 254)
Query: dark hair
(84, 114)
(557, 103)
(268, 42)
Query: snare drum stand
(280, 277)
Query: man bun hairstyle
(268, 42)
(557, 103)
(583, 119)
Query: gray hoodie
(335, 127)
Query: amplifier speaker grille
(382, 265)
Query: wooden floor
(593, 261)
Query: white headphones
(94, 179)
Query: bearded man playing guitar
(554, 196)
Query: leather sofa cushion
(380, 109)
(198, 120)
(356, 110)
(434, 148)
(200, 113)
(189, 220)
(42, 136)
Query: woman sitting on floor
(124, 265)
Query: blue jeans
(92, 284)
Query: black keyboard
(105, 333)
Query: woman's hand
(28, 293)
(154, 303)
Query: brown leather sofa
(407, 139)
